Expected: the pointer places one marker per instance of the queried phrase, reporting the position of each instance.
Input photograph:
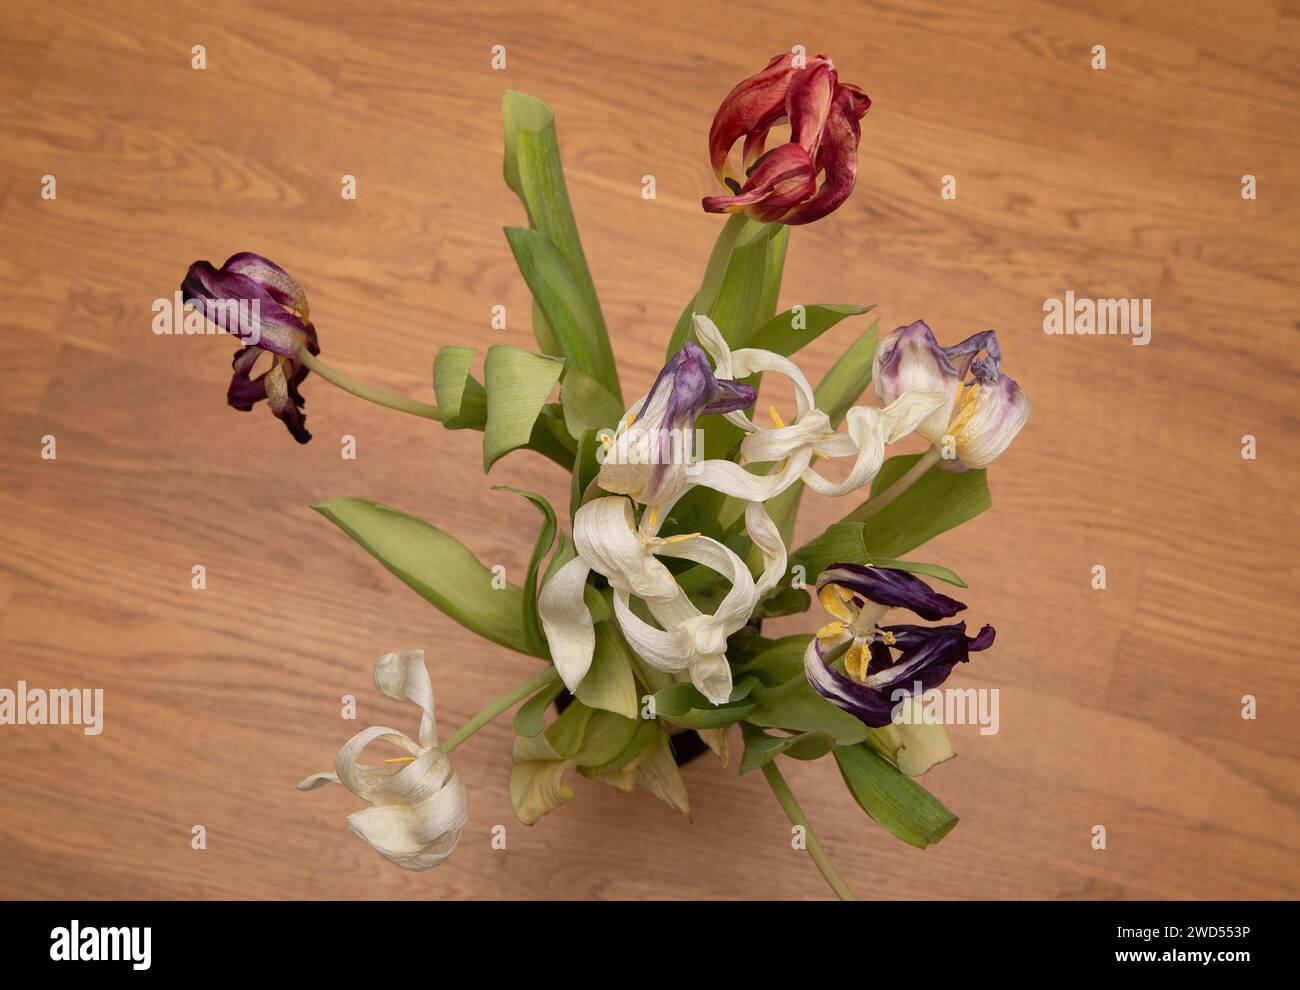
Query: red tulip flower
(781, 185)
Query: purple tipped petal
(967, 355)
(892, 587)
(927, 654)
(732, 396)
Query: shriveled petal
(738, 604)
(909, 358)
(767, 537)
(420, 832)
(711, 675)
(669, 650)
(567, 623)
(870, 430)
(892, 587)
(870, 707)
(243, 307)
(837, 158)
(403, 676)
(752, 104)
(781, 179)
(987, 420)
(368, 782)
(606, 539)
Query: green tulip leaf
(518, 383)
(435, 565)
(896, 801)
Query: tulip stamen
(400, 759)
(681, 538)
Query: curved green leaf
(437, 566)
(533, 634)
(518, 383)
(893, 799)
(787, 332)
(762, 748)
(935, 503)
(461, 399)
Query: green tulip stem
(377, 396)
(534, 684)
(928, 460)
(791, 807)
(719, 259)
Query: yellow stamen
(653, 516)
(824, 457)
(856, 660)
(776, 417)
(830, 630)
(887, 638)
(400, 759)
(681, 538)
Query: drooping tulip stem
(377, 396)
(815, 849)
(869, 508)
(508, 700)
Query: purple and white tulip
(257, 301)
(876, 681)
(648, 455)
(982, 415)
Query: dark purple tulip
(257, 301)
(886, 659)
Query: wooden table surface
(1120, 708)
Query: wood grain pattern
(1119, 708)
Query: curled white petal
(567, 622)
(608, 542)
(763, 531)
(402, 676)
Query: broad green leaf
(518, 383)
(609, 684)
(435, 565)
(893, 799)
(587, 404)
(533, 634)
(682, 704)
(780, 663)
(848, 377)
(531, 717)
(846, 543)
(934, 504)
(804, 710)
(561, 302)
(762, 748)
(533, 170)
(787, 332)
(547, 342)
(461, 399)
(550, 437)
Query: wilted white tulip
(417, 810)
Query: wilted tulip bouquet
(648, 620)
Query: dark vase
(686, 743)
